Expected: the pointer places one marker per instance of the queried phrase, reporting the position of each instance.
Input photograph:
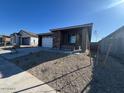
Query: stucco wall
(115, 42)
(34, 41)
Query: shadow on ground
(25, 62)
(107, 77)
(34, 59)
(63, 72)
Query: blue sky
(41, 15)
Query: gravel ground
(65, 73)
(73, 73)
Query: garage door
(47, 42)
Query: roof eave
(71, 27)
(44, 34)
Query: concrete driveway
(10, 54)
(15, 80)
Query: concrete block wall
(115, 42)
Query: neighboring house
(24, 38)
(113, 44)
(4, 40)
(68, 38)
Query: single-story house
(113, 44)
(24, 38)
(4, 40)
(68, 38)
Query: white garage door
(47, 42)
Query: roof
(29, 33)
(46, 34)
(89, 25)
(72, 27)
(4, 36)
(15, 34)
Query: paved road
(14, 79)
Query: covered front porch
(70, 39)
(18, 40)
(25, 40)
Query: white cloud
(114, 4)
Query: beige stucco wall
(115, 42)
(33, 41)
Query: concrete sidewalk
(15, 80)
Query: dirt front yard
(74, 73)
(65, 73)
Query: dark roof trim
(46, 34)
(4, 36)
(15, 34)
(71, 27)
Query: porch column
(20, 40)
(57, 39)
(83, 35)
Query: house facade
(113, 44)
(68, 38)
(4, 40)
(24, 38)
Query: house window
(72, 39)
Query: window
(72, 39)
